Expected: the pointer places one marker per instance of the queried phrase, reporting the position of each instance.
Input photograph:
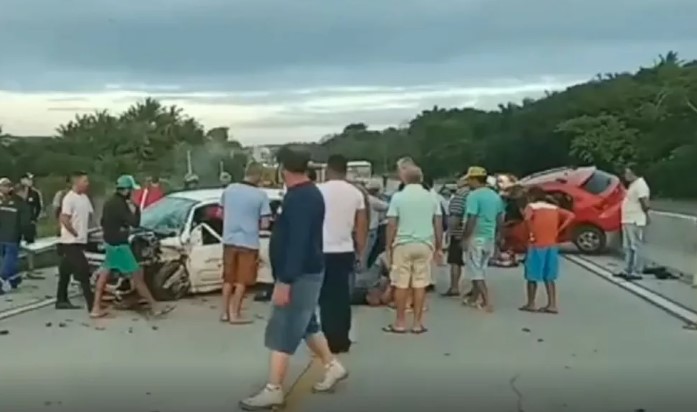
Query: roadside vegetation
(647, 118)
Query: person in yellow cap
(119, 215)
(484, 213)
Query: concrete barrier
(671, 242)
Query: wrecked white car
(179, 245)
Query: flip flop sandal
(548, 310)
(450, 294)
(241, 321)
(690, 326)
(419, 331)
(392, 329)
(99, 315)
(225, 318)
(528, 309)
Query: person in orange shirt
(150, 193)
(545, 222)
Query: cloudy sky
(279, 70)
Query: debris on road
(4, 332)
(49, 324)
(62, 325)
(526, 330)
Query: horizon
(275, 72)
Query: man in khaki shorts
(414, 236)
(246, 209)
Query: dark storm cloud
(237, 44)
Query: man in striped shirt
(456, 214)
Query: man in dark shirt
(119, 215)
(297, 263)
(14, 224)
(35, 202)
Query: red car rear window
(598, 182)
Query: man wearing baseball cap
(14, 224)
(483, 216)
(119, 215)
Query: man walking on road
(345, 215)
(246, 209)
(545, 223)
(414, 236)
(456, 214)
(76, 210)
(119, 215)
(484, 212)
(297, 263)
(15, 221)
(635, 217)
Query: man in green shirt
(484, 215)
(414, 237)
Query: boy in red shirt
(545, 222)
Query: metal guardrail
(41, 245)
(671, 242)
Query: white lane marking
(667, 305)
(26, 308)
(31, 306)
(674, 215)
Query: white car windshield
(167, 215)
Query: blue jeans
(290, 324)
(9, 271)
(633, 245)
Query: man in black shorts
(456, 212)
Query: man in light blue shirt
(414, 237)
(246, 210)
(484, 214)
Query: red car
(593, 195)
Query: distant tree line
(647, 119)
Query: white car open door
(205, 259)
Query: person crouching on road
(246, 209)
(297, 263)
(119, 215)
(414, 241)
(15, 221)
(545, 222)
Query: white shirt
(341, 202)
(632, 212)
(79, 208)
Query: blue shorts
(290, 324)
(542, 264)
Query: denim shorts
(477, 256)
(290, 324)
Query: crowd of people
(321, 249)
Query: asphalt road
(607, 349)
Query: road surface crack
(518, 393)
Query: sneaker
(333, 374)
(270, 397)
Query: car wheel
(590, 239)
(169, 282)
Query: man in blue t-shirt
(245, 210)
(484, 215)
